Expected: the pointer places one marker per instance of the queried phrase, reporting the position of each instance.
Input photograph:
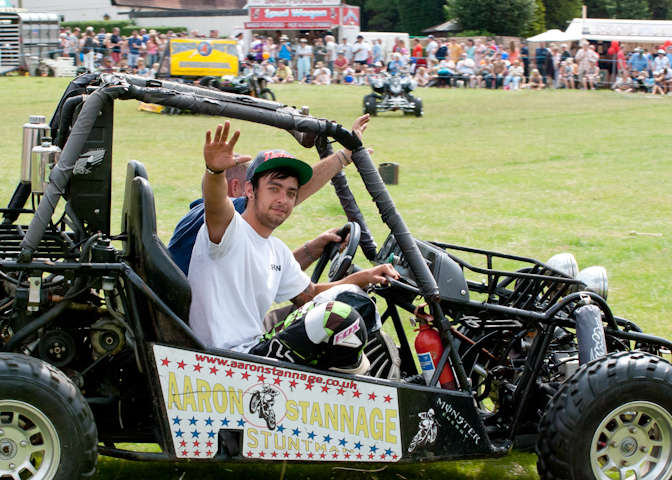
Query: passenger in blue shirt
(638, 60)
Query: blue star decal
(342, 442)
(281, 428)
(327, 439)
(179, 433)
(388, 451)
(241, 423)
(225, 422)
(208, 422)
(211, 434)
(176, 421)
(358, 446)
(311, 435)
(195, 434)
(373, 449)
(295, 432)
(192, 421)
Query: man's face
(274, 199)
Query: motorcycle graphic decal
(88, 160)
(284, 414)
(428, 429)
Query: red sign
(301, 18)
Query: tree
(559, 12)
(635, 9)
(538, 23)
(501, 17)
(381, 15)
(660, 9)
(601, 8)
(417, 15)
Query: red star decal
(197, 453)
(245, 375)
(184, 453)
(356, 394)
(183, 443)
(286, 455)
(197, 367)
(395, 456)
(208, 453)
(181, 365)
(229, 373)
(346, 456)
(196, 444)
(165, 362)
(309, 386)
(322, 455)
(310, 455)
(334, 455)
(388, 399)
(262, 454)
(325, 389)
(298, 455)
(382, 457)
(359, 456)
(340, 391)
(277, 381)
(249, 454)
(292, 384)
(261, 378)
(209, 444)
(213, 370)
(372, 396)
(370, 456)
(274, 454)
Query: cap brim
(304, 172)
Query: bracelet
(213, 172)
(342, 153)
(305, 247)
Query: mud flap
(590, 333)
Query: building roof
(630, 31)
(183, 4)
(449, 26)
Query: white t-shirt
(361, 52)
(234, 283)
(331, 51)
(307, 51)
(347, 51)
(430, 49)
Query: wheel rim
(29, 444)
(633, 442)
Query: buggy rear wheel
(418, 108)
(612, 419)
(47, 431)
(267, 94)
(370, 105)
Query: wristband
(305, 247)
(213, 172)
(345, 161)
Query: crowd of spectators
(433, 62)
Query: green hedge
(125, 26)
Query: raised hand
(218, 153)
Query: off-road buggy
(96, 347)
(392, 93)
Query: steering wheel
(340, 262)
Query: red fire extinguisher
(429, 348)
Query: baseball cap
(661, 51)
(270, 159)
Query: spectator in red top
(417, 49)
(340, 64)
(621, 63)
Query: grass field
(529, 173)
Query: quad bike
(392, 93)
(252, 82)
(96, 350)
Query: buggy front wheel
(370, 105)
(418, 108)
(612, 419)
(47, 430)
(267, 94)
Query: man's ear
(249, 191)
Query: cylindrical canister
(33, 131)
(429, 348)
(45, 157)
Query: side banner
(284, 414)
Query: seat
(152, 261)
(133, 169)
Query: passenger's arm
(219, 157)
(362, 279)
(329, 166)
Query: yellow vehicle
(192, 58)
